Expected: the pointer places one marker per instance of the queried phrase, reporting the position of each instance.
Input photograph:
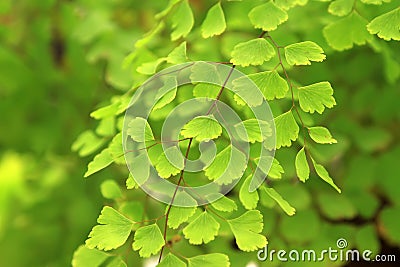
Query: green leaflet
(182, 21)
(224, 204)
(213, 259)
(303, 53)
(386, 26)
(84, 257)
(171, 261)
(287, 129)
(267, 16)
(341, 7)
(179, 215)
(99, 162)
(110, 189)
(276, 170)
(139, 130)
(253, 130)
(227, 166)
(167, 93)
(346, 32)
(286, 207)
(321, 135)
(324, 175)
(112, 232)
(316, 97)
(302, 168)
(202, 128)
(253, 52)
(170, 162)
(270, 83)
(178, 55)
(214, 23)
(246, 229)
(148, 240)
(248, 199)
(203, 229)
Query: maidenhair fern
(183, 36)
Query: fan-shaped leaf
(346, 32)
(303, 53)
(182, 21)
(202, 128)
(267, 16)
(112, 232)
(148, 240)
(214, 23)
(386, 26)
(253, 52)
(203, 229)
(316, 97)
(246, 229)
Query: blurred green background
(60, 60)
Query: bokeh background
(60, 60)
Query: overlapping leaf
(228, 165)
(170, 162)
(179, 215)
(270, 83)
